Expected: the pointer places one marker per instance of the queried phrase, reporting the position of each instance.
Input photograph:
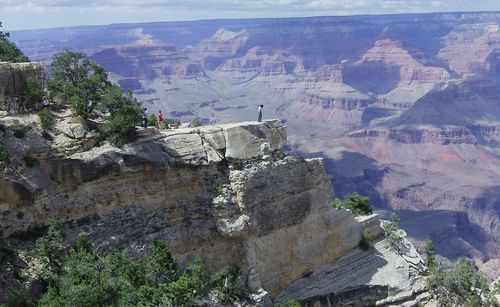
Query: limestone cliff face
(13, 77)
(225, 193)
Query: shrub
(289, 303)
(365, 243)
(392, 233)
(86, 278)
(3, 152)
(430, 254)
(229, 286)
(152, 121)
(124, 113)
(45, 118)
(18, 299)
(48, 254)
(460, 285)
(19, 133)
(33, 94)
(29, 161)
(354, 202)
(196, 122)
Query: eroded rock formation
(13, 77)
(226, 193)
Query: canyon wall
(226, 193)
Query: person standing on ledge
(145, 118)
(260, 113)
(159, 119)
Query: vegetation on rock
(84, 85)
(123, 113)
(365, 242)
(81, 276)
(355, 203)
(45, 119)
(8, 50)
(33, 94)
(459, 285)
(392, 233)
(3, 153)
(78, 81)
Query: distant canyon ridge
(403, 108)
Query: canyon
(403, 108)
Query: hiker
(145, 118)
(260, 113)
(159, 119)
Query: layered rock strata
(225, 193)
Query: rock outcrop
(13, 77)
(226, 193)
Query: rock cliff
(13, 77)
(226, 193)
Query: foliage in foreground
(460, 285)
(84, 277)
(9, 51)
(354, 202)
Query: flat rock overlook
(227, 193)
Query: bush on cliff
(460, 285)
(354, 202)
(45, 118)
(33, 94)
(83, 277)
(123, 113)
(84, 85)
(9, 51)
(3, 152)
(78, 81)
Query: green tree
(48, 253)
(460, 285)
(9, 51)
(78, 81)
(33, 93)
(354, 202)
(122, 113)
(430, 254)
(160, 265)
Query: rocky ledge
(226, 193)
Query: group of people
(160, 119)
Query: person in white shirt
(260, 113)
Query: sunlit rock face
(226, 193)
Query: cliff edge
(227, 193)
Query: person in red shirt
(159, 118)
